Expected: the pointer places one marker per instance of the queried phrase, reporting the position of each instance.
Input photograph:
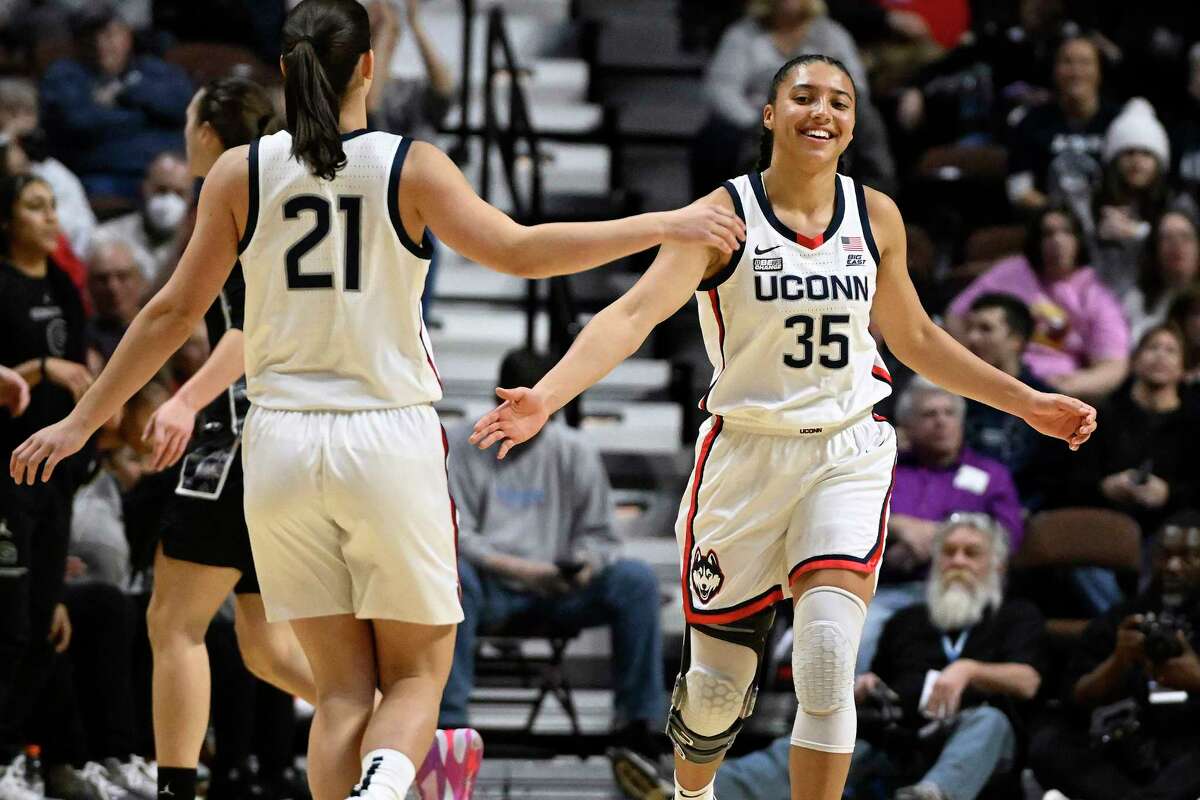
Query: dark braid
(767, 137)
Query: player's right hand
(169, 429)
(516, 420)
(705, 223)
(50, 445)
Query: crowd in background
(1075, 127)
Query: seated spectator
(1133, 195)
(750, 52)
(118, 289)
(108, 114)
(27, 152)
(166, 195)
(1054, 148)
(998, 328)
(1170, 263)
(1143, 462)
(984, 652)
(537, 544)
(1184, 314)
(1080, 343)
(935, 477)
(1126, 676)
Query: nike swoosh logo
(758, 251)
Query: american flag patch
(852, 244)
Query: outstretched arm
(934, 353)
(612, 336)
(435, 194)
(160, 328)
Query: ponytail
(312, 117)
(323, 41)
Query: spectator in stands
(118, 289)
(985, 654)
(41, 338)
(110, 113)
(27, 152)
(1133, 195)
(1054, 148)
(748, 55)
(1144, 464)
(1080, 344)
(1123, 677)
(936, 475)
(153, 228)
(1184, 314)
(1169, 264)
(998, 328)
(1185, 132)
(414, 107)
(538, 548)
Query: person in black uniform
(41, 339)
(205, 548)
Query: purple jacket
(972, 483)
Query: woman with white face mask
(153, 230)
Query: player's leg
(341, 650)
(412, 662)
(834, 546)
(186, 597)
(271, 650)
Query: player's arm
(923, 346)
(435, 194)
(608, 339)
(160, 328)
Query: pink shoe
(449, 770)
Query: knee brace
(716, 689)
(828, 624)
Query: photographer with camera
(538, 551)
(1134, 689)
(942, 704)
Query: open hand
(704, 223)
(516, 420)
(1062, 417)
(49, 445)
(169, 430)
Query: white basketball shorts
(761, 510)
(350, 513)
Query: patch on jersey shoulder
(707, 578)
(768, 264)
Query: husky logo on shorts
(707, 577)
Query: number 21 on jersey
(351, 206)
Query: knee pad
(716, 690)
(828, 624)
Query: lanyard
(954, 650)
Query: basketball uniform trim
(425, 347)
(736, 257)
(865, 218)
(866, 563)
(714, 297)
(252, 206)
(731, 613)
(880, 373)
(354, 134)
(453, 505)
(424, 250)
(835, 222)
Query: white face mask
(165, 211)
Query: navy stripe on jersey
(425, 249)
(736, 257)
(252, 206)
(354, 134)
(861, 194)
(714, 297)
(835, 222)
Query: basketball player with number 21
(793, 474)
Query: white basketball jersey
(333, 282)
(786, 322)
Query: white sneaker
(129, 777)
(96, 776)
(13, 785)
